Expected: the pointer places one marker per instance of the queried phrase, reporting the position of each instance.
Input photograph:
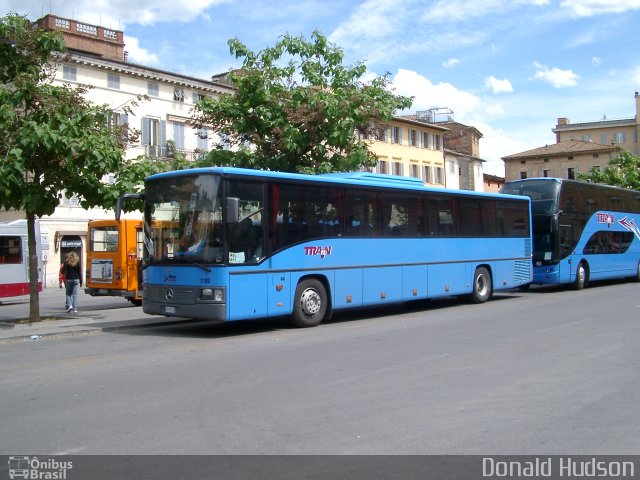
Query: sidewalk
(95, 314)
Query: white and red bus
(14, 258)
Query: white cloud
(494, 110)
(556, 77)
(498, 86)
(589, 8)
(373, 19)
(428, 95)
(463, 10)
(452, 62)
(136, 54)
(596, 61)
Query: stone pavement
(95, 314)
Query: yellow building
(410, 148)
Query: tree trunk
(34, 298)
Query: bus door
(565, 263)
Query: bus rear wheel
(310, 303)
(482, 285)
(582, 277)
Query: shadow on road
(190, 328)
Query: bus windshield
(183, 220)
(543, 193)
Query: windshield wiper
(193, 262)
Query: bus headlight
(212, 294)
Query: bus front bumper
(546, 275)
(182, 301)
(198, 311)
(108, 292)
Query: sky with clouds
(509, 68)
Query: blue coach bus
(231, 244)
(581, 231)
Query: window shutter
(146, 128)
(163, 137)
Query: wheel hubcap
(310, 302)
(481, 285)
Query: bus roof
(342, 178)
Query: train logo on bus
(631, 226)
(607, 218)
(317, 251)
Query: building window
(595, 155)
(398, 168)
(380, 133)
(178, 94)
(437, 142)
(396, 134)
(619, 137)
(153, 89)
(545, 173)
(413, 138)
(603, 138)
(382, 167)
(571, 173)
(596, 168)
(178, 135)
(439, 175)
(113, 81)
(415, 171)
(154, 136)
(586, 138)
(523, 175)
(70, 73)
(452, 168)
(428, 178)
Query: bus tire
(482, 285)
(582, 277)
(637, 277)
(309, 303)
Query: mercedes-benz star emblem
(169, 294)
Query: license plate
(169, 309)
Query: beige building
(562, 160)
(462, 156)
(411, 148)
(622, 133)
(492, 183)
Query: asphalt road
(548, 371)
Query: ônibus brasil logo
(317, 251)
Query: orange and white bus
(114, 256)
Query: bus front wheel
(482, 286)
(582, 277)
(310, 303)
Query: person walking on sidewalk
(73, 275)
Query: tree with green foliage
(621, 171)
(297, 108)
(53, 139)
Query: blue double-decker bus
(581, 231)
(231, 244)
